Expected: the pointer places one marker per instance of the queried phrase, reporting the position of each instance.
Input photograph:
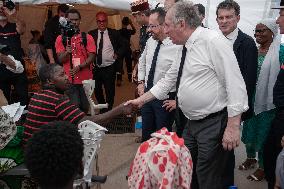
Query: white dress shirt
(107, 52)
(233, 36)
(19, 67)
(211, 78)
(165, 59)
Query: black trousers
(272, 147)
(211, 163)
(105, 78)
(20, 83)
(180, 121)
(78, 96)
(128, 60)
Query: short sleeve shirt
(79, 56)
(48, 106)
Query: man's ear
(50, 82)
(182, 24)
(238, 18)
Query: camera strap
(84, 39)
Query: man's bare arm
(108, 116)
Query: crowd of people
(201, 83)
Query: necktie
(181, 67)
(100, 50)
(178, 111)
(153, 67)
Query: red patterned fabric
(162, 162)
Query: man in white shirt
(210, 92)
(110, 47)
(228, 16)
(154, 62)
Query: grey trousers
(213, 166)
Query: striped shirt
(48, 106)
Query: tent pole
(207, 13)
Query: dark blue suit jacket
(247, 55)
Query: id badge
(76, 62)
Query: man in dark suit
(110, 46)
(228, 16)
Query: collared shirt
(164, 60)
(48, 106)
(211, 79)
(79, 56)
(19, 67)
(233, 36)
(108, 51)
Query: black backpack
(84, 39)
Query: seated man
(52, 105)
(60, 143)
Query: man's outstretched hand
(136, 103)
(127, 109)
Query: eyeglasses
(260, 31)
(150, 26)
(101, 21)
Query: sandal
(248, 164)
(258, 175)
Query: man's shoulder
(210, 35)
(245, 37)
(112, 31)
(93, 31)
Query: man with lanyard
(273, 146)
(82, 55)
(10, 36)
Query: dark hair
(74, 11)
(161, 14)
(201, 9)
(46, 72)
(125, 20)
(63, 8)
(145, 12)
(229, 4)
(54, 154)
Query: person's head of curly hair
(54, 154)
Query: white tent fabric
(112, 4)
(252, 11)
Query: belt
(215, 114)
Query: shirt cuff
(236, 109)
(18, 65)
(157, 93)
